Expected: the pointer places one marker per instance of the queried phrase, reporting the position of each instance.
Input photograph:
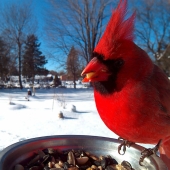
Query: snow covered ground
(21, 119)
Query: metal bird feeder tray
(21, 151)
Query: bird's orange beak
(95, 71)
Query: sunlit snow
(21, 119)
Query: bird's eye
(118, 63)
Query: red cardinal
(132, 94)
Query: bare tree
(153, 26)
(15, 25)
(4, 60)
(76, 22)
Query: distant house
(50, 77)
(63, 77)
(164, 61)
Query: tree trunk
(19, 62)
(74, 82)
(33, 88)
(33, 78)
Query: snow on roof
(49, 75)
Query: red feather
(117, 32)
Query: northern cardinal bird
(132, 94)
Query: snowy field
(21, 119)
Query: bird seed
(52, 159)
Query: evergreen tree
(33, 60)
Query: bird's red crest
(118, 31)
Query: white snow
(21, 119)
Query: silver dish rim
(4, 153)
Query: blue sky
(39, 10)
(39, 7)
